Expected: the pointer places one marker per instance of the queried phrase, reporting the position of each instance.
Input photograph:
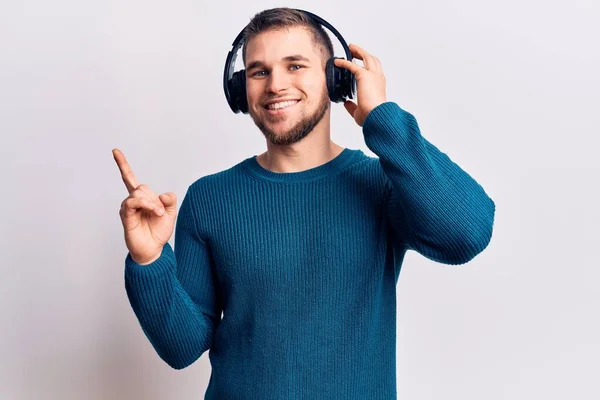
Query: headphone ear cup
(348, 85)
(238, 91)
(351, 85)
(332, 77)
(341, 83)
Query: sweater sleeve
(435, 207)
(175, 298)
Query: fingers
(126, 172)
(169, 200)
(144, 190)
(349, 65)
(144, 198)
(360, 53)
(370, 62)
(141, 196)
(132, 204)
(350, 107)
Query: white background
(508, 89)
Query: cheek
(253, 91)
(250, 94)
(315, 85)
(316, 93)
(253, 98)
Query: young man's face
(274, 72)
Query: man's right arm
(175, 297)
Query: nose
(277, 81)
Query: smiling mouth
(282, 110)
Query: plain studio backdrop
(508, 89)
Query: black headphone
(341, 83)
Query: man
(300, 247)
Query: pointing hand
(148, 219)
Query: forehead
(272, 46)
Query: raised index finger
(126, 172)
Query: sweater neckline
(334, 165)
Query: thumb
(169, 200)
(350, 107)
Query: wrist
(147, 261)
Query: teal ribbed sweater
(304, 266)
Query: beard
(300, 130)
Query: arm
(438, 209)
(175, 297)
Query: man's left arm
(437, 208)
(440, 210)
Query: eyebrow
(295, 57)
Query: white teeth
(283, 104)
